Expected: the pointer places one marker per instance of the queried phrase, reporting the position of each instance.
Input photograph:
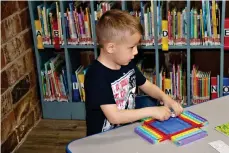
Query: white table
(125, 140)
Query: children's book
(224, 128)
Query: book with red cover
(226, 34)
(214, 88)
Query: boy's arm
(155, 92)
(116, 116)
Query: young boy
(112, 80)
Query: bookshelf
(76, 110)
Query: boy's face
(125, 50)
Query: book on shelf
(172, 81)
(225, 86)
(78, 24)
(200, 85)
(78, 82)
(86, 58)
(103, 6)
(176, 20)
(144, 13)
(39, 34)
(54, 81)
(49, 16)
(226, 34)
(205, 87)
(214, 87)
(205, 24)
(75, 89)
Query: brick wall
(20, 107)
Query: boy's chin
(126, 63)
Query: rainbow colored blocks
(180, 130)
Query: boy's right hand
(161, 113)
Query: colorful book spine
(214, 88)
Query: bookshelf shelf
(175, 47)
(81, 46)
(52, 46)
(76, 110)
(146, 47)
(206, 47)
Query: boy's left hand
(169, 102)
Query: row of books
(176, 24)
(146, 16)
(200, 86)
(86, 59)
(102, 7)
(204, 87)
(54, 80)
(204, 23)
(173, 82)
(78, 92)
(49, 24)
(78, 24)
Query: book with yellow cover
(224, 128)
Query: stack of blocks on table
(181, 130)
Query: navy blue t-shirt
(107, 86)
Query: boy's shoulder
(95, 67)
(99, 68)
(96, 71)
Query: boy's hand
(177, 108)
(169, 102)
(161, 113)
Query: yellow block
(190, 119)
(184, 133)
(152, 132)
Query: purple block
(197, 116)
(191, 138)
(144, 136)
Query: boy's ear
(110, 47)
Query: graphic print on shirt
(124, 94)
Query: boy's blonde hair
(114, 24)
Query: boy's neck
(107, 61)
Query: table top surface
(125, 140)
